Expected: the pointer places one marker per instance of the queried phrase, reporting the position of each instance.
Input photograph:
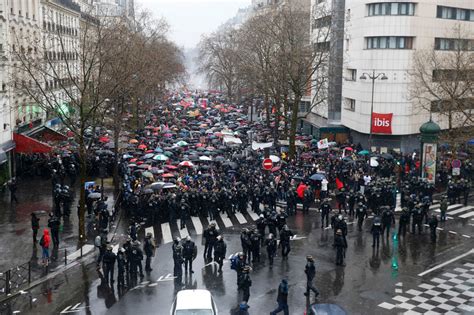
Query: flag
(339, 184)
(323, 143)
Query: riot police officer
(387, 219)
(271, 245)
(361, 214)
(121, 266)
(245, 283)
(325, 210)
(285, 237)
(433, 223)
(149, 249)
(417, 219)
(403, 222)
(246, 243)
(189, 254)
(310, 271)
(210, 235)
(255, 241)
(220, 251)
(376, 231)
(108, 263)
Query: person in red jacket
(44, 243)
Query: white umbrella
(205, 158)
(374, 162)
(274, 158)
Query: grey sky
(189, 19)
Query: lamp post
(374, 76)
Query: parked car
(194, 302)
(325, 309)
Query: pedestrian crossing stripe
(183, 232)
(467, 215)
(457, 209)
(198, 223)
(460, 210)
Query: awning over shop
(27, 145)
(45, 134)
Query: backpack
(233, 262)
(41, 241)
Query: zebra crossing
(195, 226)
(456, 210)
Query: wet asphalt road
(365, 282)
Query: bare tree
(443, 84)
(218, 60)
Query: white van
(194, 302)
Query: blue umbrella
(317, 176)
(471, 142)
(159, 150)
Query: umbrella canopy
(94, 196)
(317, 177)
(364, 152)
(219, 158)
(186, 164)
(387, 156)
(160, 157)
(147, 174)
(168, 175)
(158, 150)
(182, 143)
(133, 141)
(157, 185)
(274, 158)
(148, 156)
(169, 186)
(205, 158)
(168, 153)
(471, 142)
(142, 147)
(171, 167)
(374, 162)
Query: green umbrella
(160, 157)
(168, 153)
(363, 152)
(182, 143)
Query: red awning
(25, 144)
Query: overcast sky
(189, 19)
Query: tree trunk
(285, 114)
(266, 105)
(116, 155)
(82, 192)
(293, 126)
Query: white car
(194, 302)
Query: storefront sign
(382, 123)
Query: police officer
(417, 219)
(341, 244)
(443, 207)
(325, 210)
(54, 224)
(220, 251)
(261, 225)
(178, 259)
(136, 257)
(246, 243)
(189, 253)
(210, 235)
(121, 266)
(433, 223)
(239, 267)
(376, 231)
(361, 214)
(387, 219)
(271, 245)
(255, 241)
(310, 271)
(403, 222)
(108, 263)
(184, 213)
(282, 298)
(245, 283)
(149, 249)
(285, 236)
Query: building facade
(381, 38)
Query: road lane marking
(446, 263)
(183, 232)
(240, 218)
(197, 225)
(463, 209)
(466, 236)
(166, 233)
(253, 215)
(452, 232)
(226, 220)
(467, 215)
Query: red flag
(339, 184)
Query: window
(452, 13)
(350, 103)
(452, 105)
(322, 22)
(389, 42)
(391, 8)
(454, 44)
(322, 46)
(443, 75)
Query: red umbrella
(139, 162)
(168, 175)
(349, 149)
(200, 145)
(186, 164)
(149, 151)
(171, 167)
(133, 160)
(276, 168)
(104, 139)
(142, 147)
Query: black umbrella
(219, 158)
(387, 156)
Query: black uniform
(310, 271)
(325, 210)
(285, 236)
(189, 253)
(271, 245)
(108, 263)
(219, 252)
(53, 224)
(210, 235)
(149, 249)
(433, 223)
(341, 244)
(376, 231)
(245, 284)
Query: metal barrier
(14, 279)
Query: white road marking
(166, 233)
(253, 215)
(226, 220)
(452, 232)
(440, 229)
(183, 232)
(467, 215)
(460, 210)
(197, 225)
(240, 218)
(466, 236)
(446, 263)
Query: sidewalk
(15, 226)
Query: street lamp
(374, 76)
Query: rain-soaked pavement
(368, 284)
